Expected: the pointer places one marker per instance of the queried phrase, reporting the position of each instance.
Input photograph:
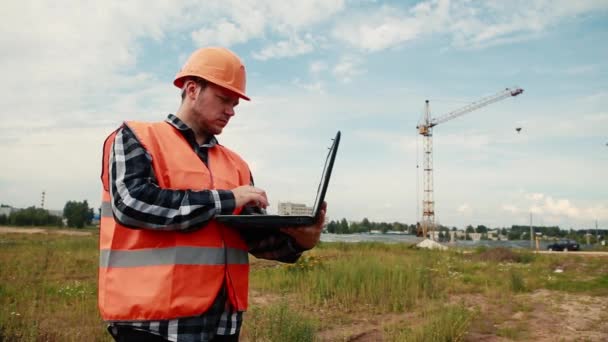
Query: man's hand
(308, 237)
(250, 195)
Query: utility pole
(597, 235)
(531, 233)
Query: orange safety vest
(159, 275)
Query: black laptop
(254, 218)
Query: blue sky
(74, 71)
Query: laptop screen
(324, 182)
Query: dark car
(564, 245)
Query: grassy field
(337, 292)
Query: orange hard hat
(216, 65)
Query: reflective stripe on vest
(106, 209)
(173, 256)
(149, 274)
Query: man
(169, 271)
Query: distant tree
(78, 214)
(32, 216)
(343, 226)
(332, 227)
(412, 228)
(354, 227)
(3, 219)
(470, 229)
(401, 227)
(481, 229)
(514, 235)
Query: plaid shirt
(138, 202)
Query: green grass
(438, 324)
(385, 281)
(278, 322)
(595, 286)
(517, 282)
(513, 332)
(48, 285)
(48, 288)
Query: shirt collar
(176, 122)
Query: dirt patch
(263, 299)
(364, 329)
(539, 316)
(7, 230)
(69, 232)
(567, 316)
(499, 254)
(367, 336)
(4, 230)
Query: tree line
(515, 232)
(75, 214)
(366, 226)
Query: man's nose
(229, 110)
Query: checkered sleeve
(138, 201)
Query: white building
(475, 236)
(294, 209)
(493, 234)
(6, 211)
(54, 212)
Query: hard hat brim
(179, 82)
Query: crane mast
(427, 224)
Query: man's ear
(191, 89)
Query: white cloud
(286, 48)
(347, 68)
(535, 196)
(502, 22)
(226, 33)
(315, 87)
(469, 24)
(69, 80)
(596, 117)
(233, 22)
(77, 69)
(290, 16)
(317, 67)
(510, 208)
(465, 209)
(74, 54)
(555, 210)
(381, 30)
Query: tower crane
(425, 128)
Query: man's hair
(201, 82)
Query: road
(585, 253)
